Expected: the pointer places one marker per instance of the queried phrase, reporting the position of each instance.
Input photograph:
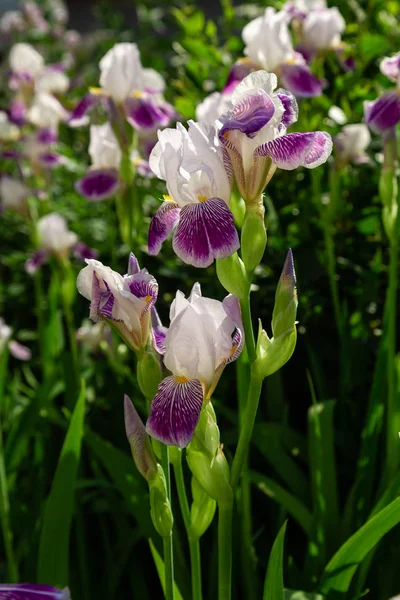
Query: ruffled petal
(175, 411)
(298, 78)
(298, 149)
(205, 231)
(144, 113)
(163, 222)
(254, 110)
(98, 184)
(158, 331)
(291, 110)
(384, 113)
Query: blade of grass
(273, 584)
(158, 561)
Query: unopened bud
(285, 308)
(139, 442)
(232, 275)
(202, 510)
(254, 236)
(160, 507)
(273, 353)
(148, 374)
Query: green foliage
(273, 584)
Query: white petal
(25, 59)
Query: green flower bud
(160, 508)
(273, 353)
(238, 208)
(202, 510)
(285, 308)
(139, 442)
(148, 374)
(232, 275)
(254, 236)
(207, 461)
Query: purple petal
(144, 113)
(77, 116)
(50, 159)
(11, 154)
(159, 331)
(35, 261)
(383, 113)
(81, 251)
(390, 66)
(250, 115)
(133, 265)
(98, 184)
(205, 231)
(298, 78)
(21, 353)
(102, 301)
(298, 149)
(144, 286)
(232, 308)
(32, 591)
(306, 51)
(175, 411)
(163, 222)
(239, 71)
(290, 105)
(46, 136)
(17, 112)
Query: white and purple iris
(197, 206)
(102, 179)
(136, 91)
(125, 302)
(253, 135)
(269, 45)
(383, 114)
(351, 144)
(198, 345)
(32, 591)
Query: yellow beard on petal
(181, 379)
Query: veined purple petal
(298, 149)
(232, 308)
(32, 591)
(175, 411)
(158, 331)
(383, 113)
(35, 261)
(81, 251)
(21, 353)
(143, 286)
(144, 113)
(163, 222)
(77, 116)
(290, 105)
(102, 302)
(250, 115)
(298, 78)
(205, 231)
(46, 136)
(98, 184)
(133, 265)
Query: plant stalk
(225, 512)
(168, 540)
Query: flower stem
(5, 517)
(194, 543)
(248, 328)
(246, 431)
(225, 512)
(330, 253)
(168, 540)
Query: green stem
(168, 540)
(5, 518)
(225, 551)
(194, 543)
(393, 415)
(330, 252)
(246, 429)
(248, 328)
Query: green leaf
(323, 478)
(289, 502)
(341, 568)
(158, 561)
(53, 562)
(372, 45)
(273, 585)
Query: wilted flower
(268, 44)
(383, 114)
(102, 179)
(16, 349)
(198, 345)
(32, 591)
(351, 144)
(123, 301)
(254, 135)
(136, 91)
(198, 198)
(14, 194)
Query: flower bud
(139, 442)
(238, 208)
(207, 461)
(231, 273)
(285, 308)
(160, 508)
(273, 353)
(148, 374)
(202, 510)
(254, 236)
